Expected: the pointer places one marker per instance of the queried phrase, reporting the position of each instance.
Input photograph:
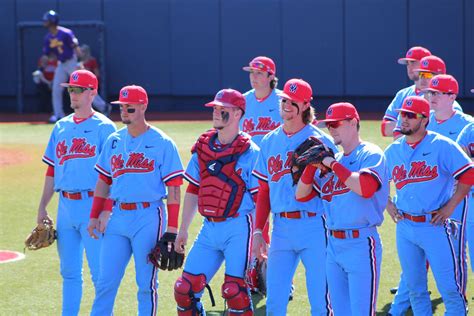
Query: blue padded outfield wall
(183, 51)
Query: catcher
(221, 188)
(354, 195)
(42, 236)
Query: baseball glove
(164, 256)
(42, 236)
(257, 277)
(311, 151)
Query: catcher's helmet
(51, 16)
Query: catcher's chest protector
(221, 188)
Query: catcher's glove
(164, 256)
(41, 237)
(311, 151)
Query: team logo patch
(293, 88)
(425, 63)
(219, 95)
(410, 53)
(329, 112)
(434, 82)
(125, 93)
(409, 103)
(75, 76)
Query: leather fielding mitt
(41, 236)
(164, 256)
(311, 151)
(256, 276)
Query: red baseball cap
(341, 111)
(414, 53)
(417, 105)
(82, 78)
(444, 83)
(297, 90)
(132, 95)
(228, 98)
(432, 64)
(261, 63)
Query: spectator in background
(90, 63)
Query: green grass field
(33, 286)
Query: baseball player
(298, 227)
(63, 43)
(221, 187)
(445, 120)
(139, 167)
(417, 163)
(262, 114)
(466, 141)
(354, 197)
(429, 66)
(73, 148)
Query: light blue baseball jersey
(466, 138)
(424, 176)
(139, 166)
(261, 117)
(392, 113)
(73, 150)
(273, 166)
(346, 209)
(244, 167)
(450, 128)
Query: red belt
(220, 219)
(133, 206)
(416, 219)
(296, 214)
(341, 234)
(77, 195)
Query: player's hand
(181, 241)
(93, 225)
(103, 221)
(259, 247)
(441, 215)
(393, 212)
(43, 216)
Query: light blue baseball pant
(470, 230)
(353, 272)
(73, 238)
(293, 240)
(417, 241)
(130, 232)
(61, 75)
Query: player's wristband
(108, 205)
(97, 206)
(173, 212)
(308, 174)
(342, 172)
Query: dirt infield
(12, 157)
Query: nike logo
(146, 146)
(425, 154)
(352, 162)
(452, 133)
(87, 131)
(271, 110)
(212, 166)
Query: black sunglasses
(77, 90)
(128, 110)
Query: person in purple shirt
(61, 42)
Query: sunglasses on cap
(411, 115)
(77, 90)
(425, 75)
(292, 103)
(430, 93)
(128, 110)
